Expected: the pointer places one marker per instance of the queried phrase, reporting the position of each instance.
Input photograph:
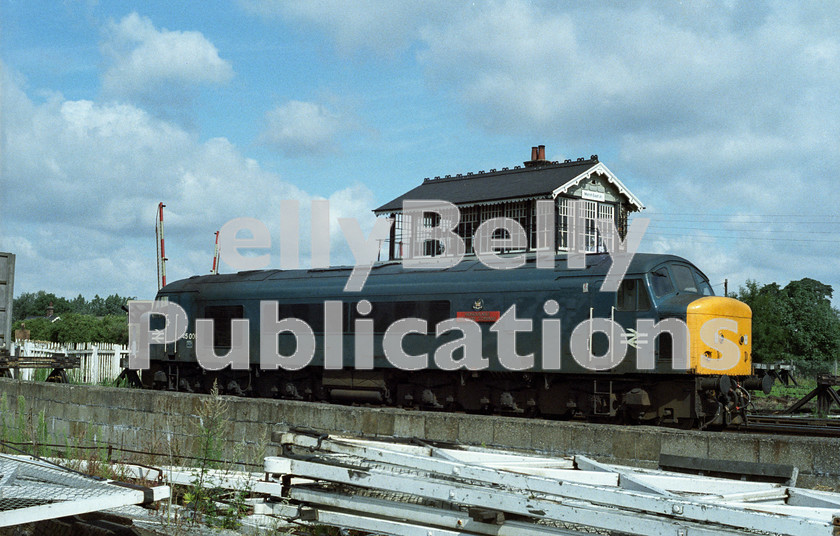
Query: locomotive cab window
(632, 296)
(703, 285)
(684, 279)
(660, 282)
(221, 316)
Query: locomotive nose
(721, 336)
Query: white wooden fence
(99, 362)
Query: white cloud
(699, 108)
(385, 28)
(578, 71)
(589, 70)
(153, 66)
(83, 180)
(710, 109)
(302, 128)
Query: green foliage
(97, 320)
(770, 309)
(793, 324)
(794, 392)
(4, 411)
(34, 304)
(114, 328)
(40, 329)
(207, 502)
(814, 325)
(74, 327)
(21, 429)
(40, 437)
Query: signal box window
(221, 316)
(632, 296)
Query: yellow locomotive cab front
(721, 336)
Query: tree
(40, 329)
(33, 304)
(97, 320)
(74, 327)
(97, 306)
(813, 325)
(795, 323)
(769, 308)
(115, 329)
(79, 305)
(114, 304)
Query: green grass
(806, 385)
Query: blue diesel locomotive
(531, 314)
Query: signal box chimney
(537, 156)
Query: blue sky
(722, 117)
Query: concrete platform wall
(170, 423)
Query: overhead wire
(742, 215)
(707, 237)
(663, 223)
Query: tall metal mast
(161, 254)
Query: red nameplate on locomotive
(480, 316)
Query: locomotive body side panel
(654, 288)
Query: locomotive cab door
(612, 340)
(612, 333)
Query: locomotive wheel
(265, 387)
(565, 416)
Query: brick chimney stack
(537, 156)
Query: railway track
(792, 425)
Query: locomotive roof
(596, 265)
(532, 182)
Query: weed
(40, 438)
(21, 434)
(84, 448)
(215, 506)
(4, 410)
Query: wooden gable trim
(600, 169)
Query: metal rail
(817, 427)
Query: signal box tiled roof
(537, 180)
